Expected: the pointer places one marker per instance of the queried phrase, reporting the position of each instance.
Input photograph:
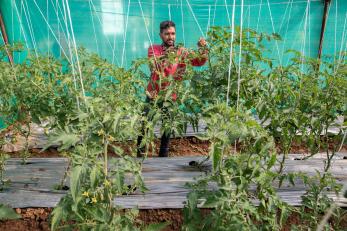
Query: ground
(38, 218)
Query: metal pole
(324, 22)
(4, 36)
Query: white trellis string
(303, 45)
(152, 19)
(273, 29)
(227, 10)
(214, 11)
(108, 41)
(21, 24)
(335, 42)
(231, 52)
(92, 17)
(342, 44)
(297, 34)
(149, 37)
(31, 31)
(260, 6)
(309, 28)
(240, 57)
(184, 36)
(196, 20)
(75, 49)
(209, 19)
(64, 14)
(169, 11)
(289, 17)
(125, 33)
(60, 25)
(12, 21)
(48, 37)
(249, 20)
(342, 39)
(50, 28)
(284, 17)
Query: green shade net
(122, 30)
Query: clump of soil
(33, 219)
(37, 219)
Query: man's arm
(203, 54)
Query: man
(162, 69)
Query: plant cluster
(89, 107)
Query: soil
(37, 219)
(34, 219)
(186, 146)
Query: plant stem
(105, 155)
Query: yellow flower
(107, 183)
(86, 194)
(101, 132)
(110, 138)
(94, 200)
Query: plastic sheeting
(122, 30)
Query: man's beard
(169, 45)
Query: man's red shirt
(163, 69)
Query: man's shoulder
(155, 47)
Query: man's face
(168, 36)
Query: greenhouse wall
(122, 30)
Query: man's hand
(202, 42)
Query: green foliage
(3, 181)
(91, 108)
(8, 213)
(235, 175)
(211, 86)
(315, 203)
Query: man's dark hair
(166, 24)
